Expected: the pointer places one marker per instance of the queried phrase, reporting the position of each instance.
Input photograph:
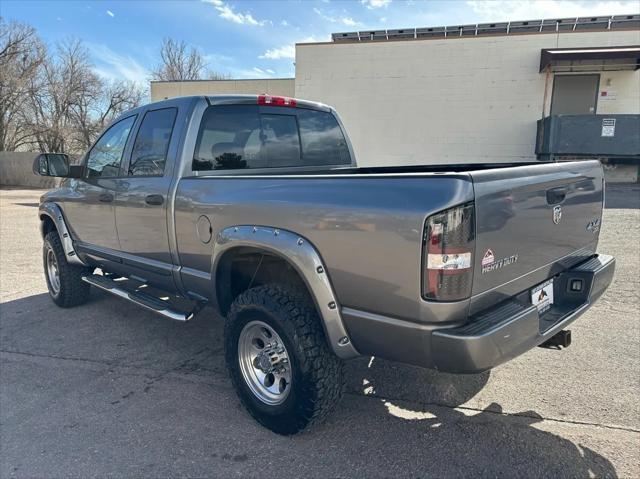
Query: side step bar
(140, 298)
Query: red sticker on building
(488, 258)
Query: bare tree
(71, 104)
(94, 112)
(215, 75)
(66, 81)
(21, 56)
(178, 62)
(54, 101)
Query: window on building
(150, 149)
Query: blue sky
(255, 38)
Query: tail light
(276, 100)
(448, 254)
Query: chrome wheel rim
(52, 271)
(264, 363)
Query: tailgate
(532, 222)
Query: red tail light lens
(276, 100)
(448, 254)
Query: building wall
(473, 99)
(163, 90)
(16, 169)
(625, 86)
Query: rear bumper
(491, 337)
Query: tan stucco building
(161, 90)
(473, 93)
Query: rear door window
(249, 137)
(150, 149)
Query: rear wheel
(278, 358)
(64, 280)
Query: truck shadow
(481, 441)
(396, 420)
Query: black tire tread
(323, 369)
(73, 291)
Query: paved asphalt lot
(108, 389)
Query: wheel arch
(52, 219)
(292, 257)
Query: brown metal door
(575, 94)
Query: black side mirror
(51, 164)
(55, 164)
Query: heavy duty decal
(490, 264)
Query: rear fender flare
(54, 212)
(305, 259)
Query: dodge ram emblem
(557, 214)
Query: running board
(140, 298)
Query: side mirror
(55, 164)
(51, 164)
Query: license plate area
(542, 296)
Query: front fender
(304, 257)
(54, 212)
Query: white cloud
(258, 70)
(503, 10)
(285, 51)
(228, 13)
(110, 13)
(371, 4)
(383, 19)
(324, 16)
(344, 20)
(284, 23)
(114, 66)
(270, 71)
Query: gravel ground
(108, 389)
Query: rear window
(248, 136)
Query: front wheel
(279, 360)
(64, 280)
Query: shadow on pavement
(32, 205)
(395, 420)
(479, 443)
(622, 195)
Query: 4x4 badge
(557, 214)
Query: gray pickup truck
(254, 205)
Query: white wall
(458, 100)
(276, 86)
(626, 86)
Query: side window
(323, 142)
(150, 149)
(105, 156)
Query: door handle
(105, 197)
(154, 200)
(556, 195)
